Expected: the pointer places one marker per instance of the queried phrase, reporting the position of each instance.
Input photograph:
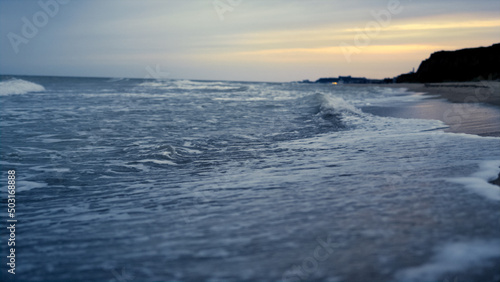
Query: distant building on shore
(352, 80)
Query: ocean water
(132, 179)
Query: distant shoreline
(457, 92)
(466, 107)
(474, 107)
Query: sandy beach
(468, 107)
(471, 108)
(459, 92)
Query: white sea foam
(243, 99)
(22, 186)
(161, 162)
(336, 103)
(153, 84)
(322, 104)
(190, 151)
(19, 86)
(178, 156)
(479, 181)
(190, 85)
(453, 258)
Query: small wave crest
(326, 113)
(192, 85)
(162, 154)
(332, 110)
(18, 86)
(324, 105)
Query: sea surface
(136, 179)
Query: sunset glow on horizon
(254, 40)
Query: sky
(243, 40)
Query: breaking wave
(19, 86)
(326, 105)
(189, 85)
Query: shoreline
(465, 107)
(457, 92)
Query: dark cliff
(481, 63)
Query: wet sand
(472, 108)
(459, 92)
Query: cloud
(122, 37)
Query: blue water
(130, 179)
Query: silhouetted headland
(473, 64)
